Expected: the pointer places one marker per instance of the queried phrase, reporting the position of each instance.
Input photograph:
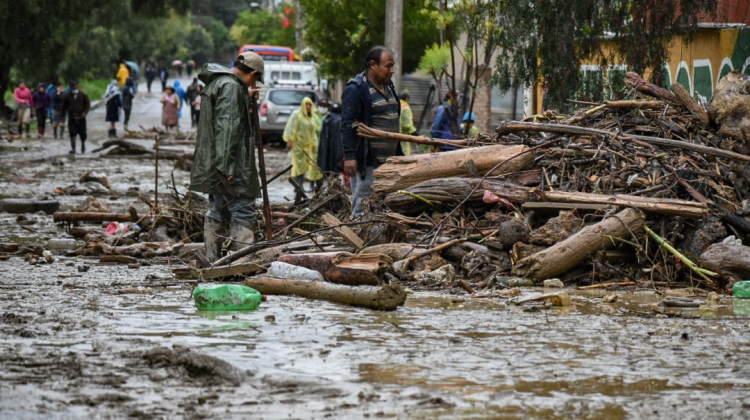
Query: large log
(343, 267)
(515, 126)
(567, 254)
(687, 101)
(383, 298)
(450, 191)
(402, 172)
(731, 260)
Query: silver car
(278, 104)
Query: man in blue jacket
(369, 98)
(441, 128)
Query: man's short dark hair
(243, 68)
(374, 55)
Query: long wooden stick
(515, 126)
(404, 264)
(156, 172)
(372, 133)
(273, 178)
(262, 169)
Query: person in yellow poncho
(300, 135)
(122, 74)
(407, 121)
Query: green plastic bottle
(227, 297)
(741, 289)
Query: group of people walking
(54, 103)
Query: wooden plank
(349, 236)
(542, 205)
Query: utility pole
(394, 31)
(298, 23)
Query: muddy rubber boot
(212, 239)
(300, 197)
(28, 131)
(114, 133)
(83, 146)
(72, 145)
(241, 236)
(55, 130)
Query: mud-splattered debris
(553, 283)
(205, 369)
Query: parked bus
(271, 53)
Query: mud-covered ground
(112, 342)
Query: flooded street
(113, 342)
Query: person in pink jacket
(22, 95)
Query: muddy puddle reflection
(117, 343)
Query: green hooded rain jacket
(225, 139)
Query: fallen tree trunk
(28, 205)
(450, 191)
(567, 254)
(515, 126)
(73, 216)
(731, 260)
(404, 171)
(635, 81)
(383, 298)
(689, 103)
(343, 267)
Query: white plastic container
(61, 244)
(283, 270)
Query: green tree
(262, 28)
(219, 33)
(227, 11)
(550, 40)
(343, 31)
(200, 45)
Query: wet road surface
(83, 345)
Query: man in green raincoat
(224, 161)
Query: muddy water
(113, 342)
